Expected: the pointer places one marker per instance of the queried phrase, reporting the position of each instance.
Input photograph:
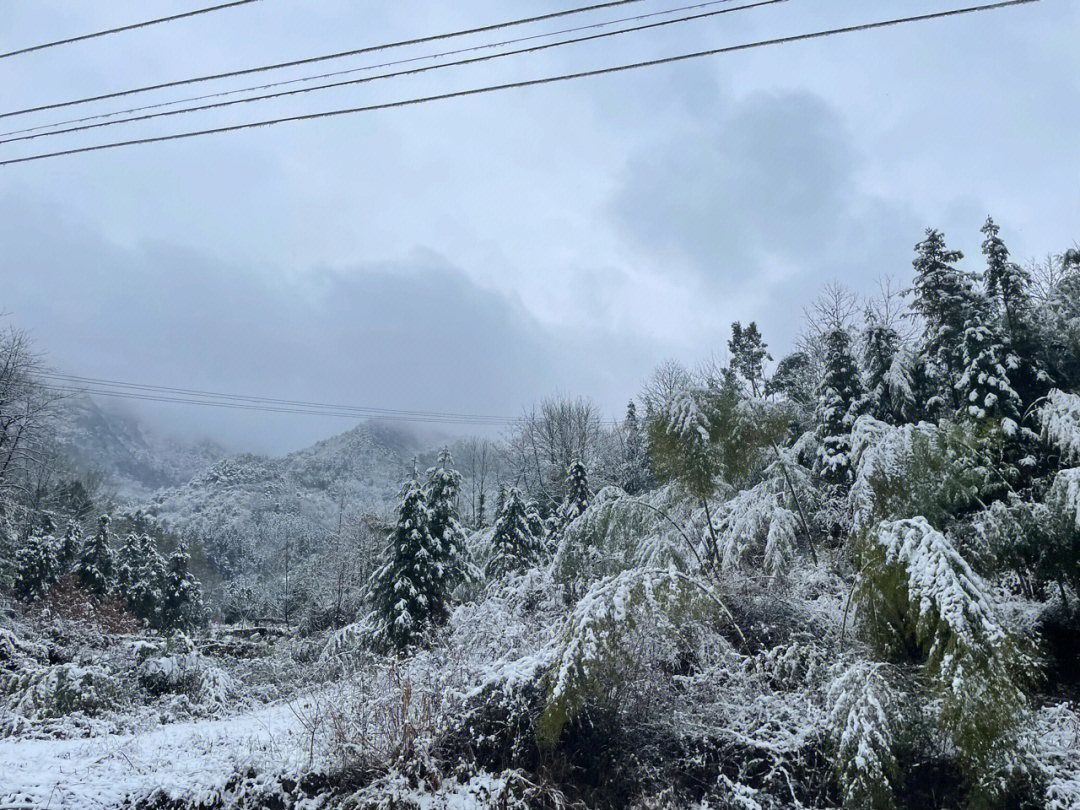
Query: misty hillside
(135, 459)
(362, 467)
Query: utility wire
(393, 63)
(156, 390)
(532, 82)
(131, 27)
(313, 59)
(409, 72)
(92, 391)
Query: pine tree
(577, 491)
(943, 296)
(841, 394)
(447, 536)
(407, 588)
(748, 355)
(514, 546)
(1006, 282)
(36, 567)
(95, 567)
(634, 473)
(180, 605)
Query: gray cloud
(415, 333)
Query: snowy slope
(136, 459)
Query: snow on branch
(1060, 420)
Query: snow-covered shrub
(861, 721)
(623, 623)
(618, 532)
(43, 692)
(907, 470)
(1056, 744)
(916, 591)
(178, 670)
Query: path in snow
(193, 760)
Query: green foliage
(919, 598)
(748, 355)
(401, 586)
(621, 624)
(841, 398)
(913, 470)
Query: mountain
(235, 499)
(136, 459)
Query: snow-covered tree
(180, 607)
(840, 399)
(577, 491)
(447, 536)
(409, 589)
(68, 547)
(748, 355)
(514, 546)
(1007, 283)
(793, 379)
(862, 721)
(918, 592)
(36, 566)
(986, 392)
(144, 590)
(634, 469)
(890, 394)
(943, 297)
(95, 566)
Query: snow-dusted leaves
(861, 722)
(1060, 420)
(622, 623)
(917, 590)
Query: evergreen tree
(407, 589)
(985, 389)
(95, 567)
(180, 606)
(36, 567)
(633, 476)
(128, 563)
(841, 395)
(536, 522)
(943, 296)
(889, 394)
(514, 546)
(577, 491)
(1007, 283)
(67, 550)
(748, 355)
(144, 596)
(447, 536)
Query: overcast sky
(473, 255)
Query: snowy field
(192, 760)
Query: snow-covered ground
(191, 760)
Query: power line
(142, 390)
(92, 391)
(392, 63)
(530, 82)
(313, 59)
(131, 27)
(409, 72)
